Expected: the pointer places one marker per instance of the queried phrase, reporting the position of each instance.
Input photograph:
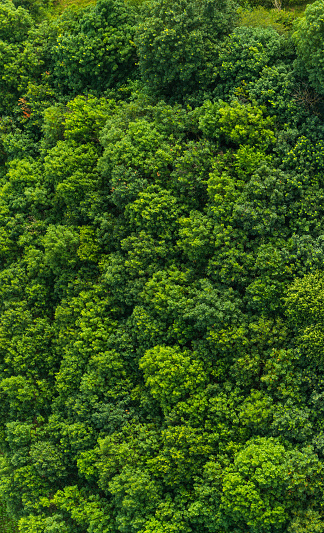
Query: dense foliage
(161, 269)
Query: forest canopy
(161, 267)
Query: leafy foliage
(177, 45)
(94, 52)
(161, 271)
(308, 38)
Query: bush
(178, 45)
(96, 53)
(310, 45)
